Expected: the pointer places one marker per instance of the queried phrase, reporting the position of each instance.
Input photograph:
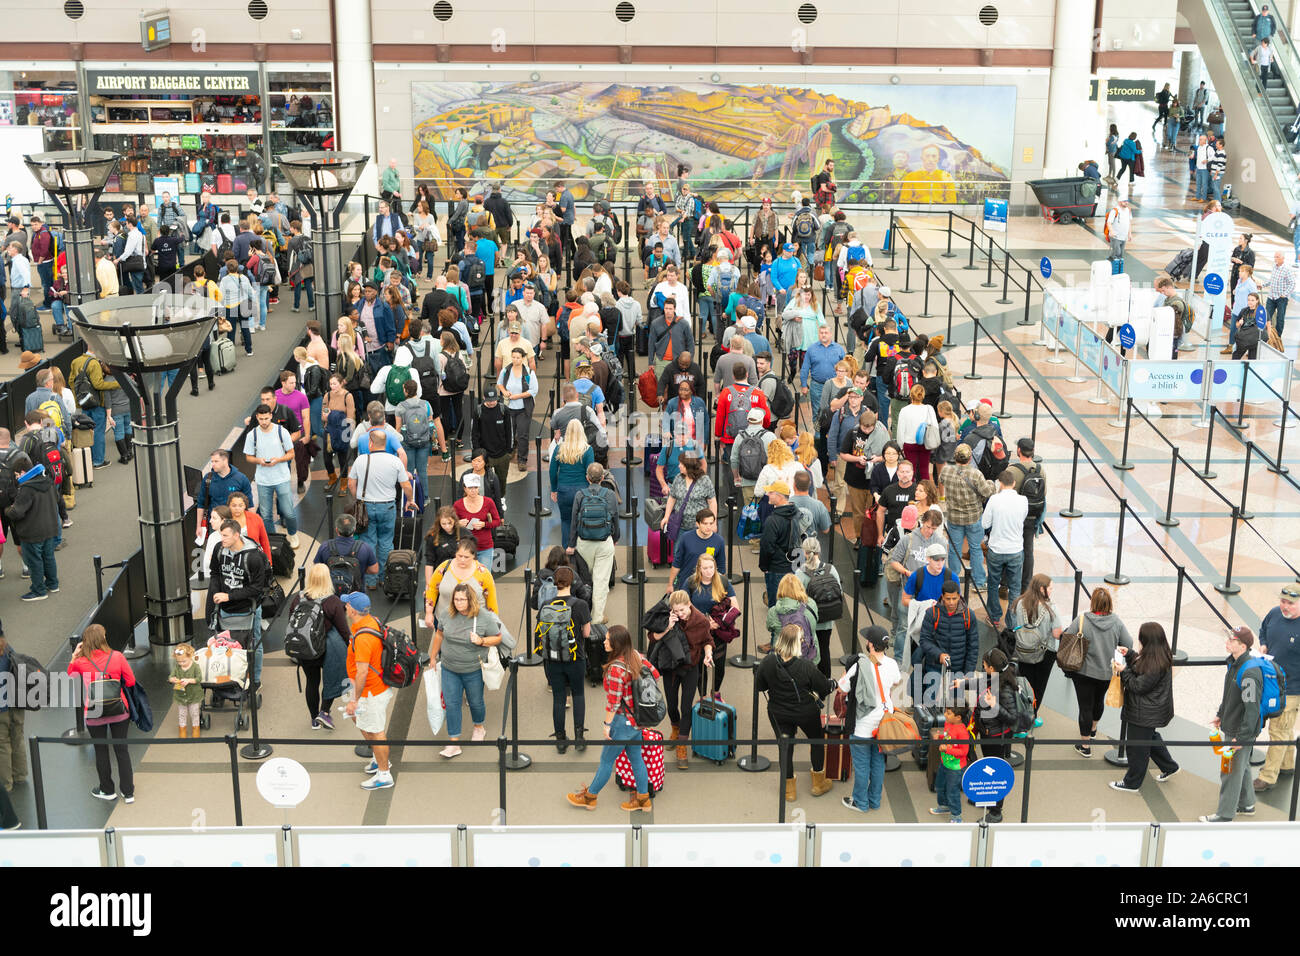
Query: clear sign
(987, 781)
(1214, 283)
(1045, 267)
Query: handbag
(932, 437)
(895, 726)
(435, 704)
(1115, 692)
(357, 506)
(138, 706)
(133, 264)
(104, 693)
(654, 511)
(493, 673)
(1073, 650)
(679, 513)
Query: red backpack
(647, 385)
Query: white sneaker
(293, 541)
(380, 781)
(478, 733)
(451, 750)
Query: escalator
(1263, 169)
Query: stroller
(226, 678)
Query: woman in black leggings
(794, 687)
(1104, 631)
(324, 676)
(681, 683)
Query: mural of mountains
(738, 141)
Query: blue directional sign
(987, 781)
(1045, 267)
(1261, 317)
(1214, 283)
(1127, 336)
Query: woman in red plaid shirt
(623, 667)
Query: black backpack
(1034, 488)
(827, 594)
(782, 401)
(475, 272)
(399, 664)
(984, 453)
(426, 367)
(304, 637)
(455, 376)
(345, 570)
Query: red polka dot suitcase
(653, 755)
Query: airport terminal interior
(1075, 221)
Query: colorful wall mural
(889, 143)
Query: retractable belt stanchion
(634, 566)
(530, 658)
(753, 761)
(743, 659)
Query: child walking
(187, 690)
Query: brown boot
(185, 732)
(683, 759)
(640, 802)
(194, 732)
(674, 735)
(583, 799)
(820, 784)
(790, 794)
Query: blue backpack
(1272, 699)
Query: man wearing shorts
(372, 698)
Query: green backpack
(398, 375)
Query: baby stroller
(225, 680)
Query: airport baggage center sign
(145, 82)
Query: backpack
(726, 282)
(614, 228)
(83, 390)
(906, 373)
(53, 408)
(416, 427)
(805, 225)
(51, 456)
(649, 706)
(1272, 698)
(398, 375)
(555, 638)
(226, 246)
(426, 367)
(475, 272)
(345, 570)
(827, 594)
(808, 648)
(615, 393)
(594, 520)
(738, 414)
(1034, 487)
(314, 382)
(545, 592)
(1024, 705)
(304, 637)
(455, 376)
(753, 455)
(104, 693)
(990, 456)
(855, 254)
(590, 425)
(782, 401)
(647, 386)
(305, 255)
(399, 664)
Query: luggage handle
(708, 708)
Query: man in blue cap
(783, 271)
(371, 697)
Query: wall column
(354, 88)
(1069, 139)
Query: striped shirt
(1282, 282)
(1218, 161)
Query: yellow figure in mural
(930, 183)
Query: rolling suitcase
(712, 720)
(402, 563)
(839, 760)
(282, 556)
(224, 355)
(652, 752)
(658, 548)
(83, 468)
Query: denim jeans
(317, 425)
(868, 773)
(268, 495)
(417, 461)
(379, 534)
(100, 417)
(1277, 313)
(973, 533)
(263, 301)
(619, 729)
(57, 309)
(882, 394)
(121, 427)
(310, 286)
(898, 615)
(46, 271)
(807, 249)
(427, 259)
(705, 304)
(564, 503)
(378, 359)
(1003, 568)
(1295, 242)
(1216, 188)
(1203, 189)
(243, 325)
(947, 788)
(39, 558)
(772, 581)
(136, 280)
(472, 686)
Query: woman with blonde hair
(807, 457)
(106, 715)
(708, 589)
(352, 372)
(347, 327)
(781, 465)
(793, 607)
(948, 440)
(324, 676)
(569, 472)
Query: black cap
(1025, 446)
(875, 637)
(490, 394)
(371, 284)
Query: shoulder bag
(1074, 648)
(357, 506)
(679, 513)
(104, 693)
(897, 730)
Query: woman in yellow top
(464, 568)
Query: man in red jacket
(43, 256)
(734, 405)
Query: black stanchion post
(1295, 785)
(856, 603)
(1116, 577)
(1243, 512)
(1277, 467)
(973, 375)
(630, 577)
(743, 659)
(783, 752)
(830, 557)
(530, 658)
(629, 456)
(99, 578)
(970, 261)
(907, 271)
(1072, 511)
(1078, 592)
(1006, 278)
(640, 610)
(1124, 464)
(890, 238)
(540, 510)
(629, 511)
(1169, 521)
(947, 339)
(988, 282)
(1026, 774)
(1033, 425)
(537, 513)
(473, 414)
(1227, 587)
(1002, 401)
(925, 306)
(38, 784)
(966, 582)
(516, 760)
(231, 741)
(1118, 756)
(732, 513)
(1241, 405)
(501, 775)
(1028, 279)
(255, 749)
(753, 761)
(1178, 613)
(948, 254)
(1209, 446)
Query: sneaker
(1260, 786)
(380, 781)
(67, 522)
(325, 720)
(993, 817)
(130, 799)
(316, 724)
(939, 811)
(848, 803)
(1038, 722)
(1213, 818)
(451, 750)
(371, 767)
(478, 733)
(2, 573)
(1247, 811)
(293, 540)
(295, 309)
(33, 596)
(1119, 785)
(955, 820)
(1083, 750)
(1162, 777)
(26, 572)
(101, 795)
(52, 590)
(16, 826)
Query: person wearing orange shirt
(930, 183)
(371, 697)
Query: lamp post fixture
(74, 178)
(142, 338)
(325, 179)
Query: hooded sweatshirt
(780, 534)
(1104, 632)
(401, 359)
(242, 574)
(34, 515)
